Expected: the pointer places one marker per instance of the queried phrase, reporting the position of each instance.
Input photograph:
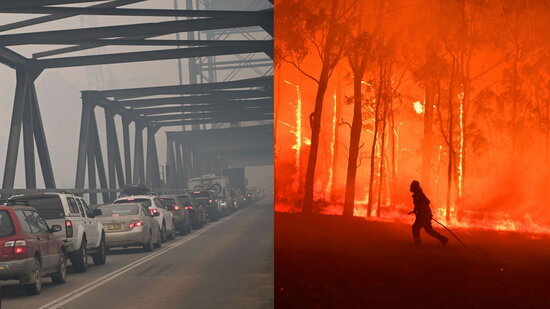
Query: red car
(29, 250)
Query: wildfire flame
(418, 107)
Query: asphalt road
(226, 264)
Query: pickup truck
(82, 233)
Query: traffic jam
(46, 234)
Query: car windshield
(119, 210)
(168, 201)
(6, 226)
(145, 201)
(48, 206)
(200, 194)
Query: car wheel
(163, 233)
(188, 227)
(158, 244)
(79, 258)
(148, 247)
(35, 287)
(61, 275)
(100, 257)
(172, 234)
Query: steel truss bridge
(218, 123)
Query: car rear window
(144, 201)
(200, 194)
(168, 201)
(116, 211)
(48, 206)
(184, 200)
(6, 226)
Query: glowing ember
(418, 107)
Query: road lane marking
(112, 275)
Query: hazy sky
(59, 89)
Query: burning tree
(454, 92)
(322, 32)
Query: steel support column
(99, 161)
(15, 129)
(171, 170)
(41, 144)
(111, 136)
(180, 181)
(84, 141)
(139, 169)
(127, 152)
(28, 140)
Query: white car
(82, 232)
(165, 219)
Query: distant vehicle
(82, 232)
(208, 199)
(255, 194)
(165, 218)
(30, 249)
(218, 184)
(130, 224)
(236, 177)
(179, 211)
(197, 212)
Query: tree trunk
(382, 154)
(315, 123)
(450, 144)
(355, 138)
(375, 140)
(315, 117)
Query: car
(30, 249)
(82, 233)
(165, 219)
(179, 211)
(130, 224)
(209, 200)
(197, 212)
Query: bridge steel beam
(144, 29)
(143, 56)
(26, 115)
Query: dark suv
(209, 200)
(30, 250)
(197, 212)
(179, 212)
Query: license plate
(113, 226)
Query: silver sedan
(129, 224)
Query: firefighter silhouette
(423, 215)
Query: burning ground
(333, 262)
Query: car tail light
(17, 248)
(69, 228)
(135, 223)
(210, 201)
(153, 211)
(177, 207)
(189, 207)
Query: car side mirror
(55, 228)
(97, 212)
